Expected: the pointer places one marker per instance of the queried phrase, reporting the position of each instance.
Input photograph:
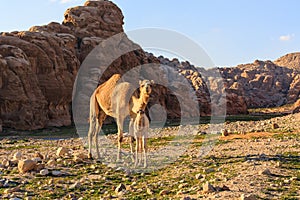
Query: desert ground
(248, 159)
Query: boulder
(248, 197)
(81, 156)
(56, 173)
(44, 172)
(265, 172)
(39, 167)
(208, 188)
(62, 151)
(120, 188)
(26, 165)
(224, 132)
(275, 126)
(95, 19)
(164, 192)
(38, 155)
(296, 106)
(17, 156)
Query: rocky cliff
(264, 83)
(38, 69)
(260, 84)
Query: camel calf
(141, 128)
(115, 99)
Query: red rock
(296, 106)
(26, 165)
(38, 69)
(62, 151)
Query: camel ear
(152, 82)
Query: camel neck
(144, 99)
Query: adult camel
(116, 99)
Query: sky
(231, 32)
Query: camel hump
(104, 92)
(114, 95)
(112, 81)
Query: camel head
(146, 87)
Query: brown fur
(141, 128)
(115, 99)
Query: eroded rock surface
(38, 69)
(39, 66)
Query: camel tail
(94, 108)
(94, 112)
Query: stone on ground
(208, 188)
(26, 165)
(62, 151)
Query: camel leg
(91, 135)
(95, 138)
(140, 150)
(145, 150)
(131, 147)
(131, 135)
(120, 124)
(136, 151)
(100, 120)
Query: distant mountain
(291, 60)
(262, 83)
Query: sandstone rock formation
(194, 78)
(38, 69)
(260, 84)
(291, 60)
(94, 19)
(209, 88)
(296, 106)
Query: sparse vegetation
(266, 164)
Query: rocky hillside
(260, 84)
(264, 83)
(38, 68)
(291, 61)
(256, 85)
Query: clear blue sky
(231, 31)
